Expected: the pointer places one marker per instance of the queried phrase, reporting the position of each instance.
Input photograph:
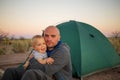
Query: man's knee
(29, 72)
(34, 72)
(10, 70)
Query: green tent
(90, 49)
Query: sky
(26, 18)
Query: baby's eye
(38, 44)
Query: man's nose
(49, 38)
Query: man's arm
(61, 58)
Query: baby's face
(40, 45)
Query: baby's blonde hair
(34, 39)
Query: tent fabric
(91, 51)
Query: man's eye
(46, 35)
(52, 36)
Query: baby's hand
(50, 60)
(31, 56)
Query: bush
(2, 51)
(116, 43)
(21, 46)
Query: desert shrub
(20, 46)
(116, 43)
(2, 51)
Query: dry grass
(14, 46)
(116, 43)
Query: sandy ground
(110, 74)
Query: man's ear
(59, 38)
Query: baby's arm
(27, 62)
(39, 58)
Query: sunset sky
(29, 17)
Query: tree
(3, 35)
(22, 38)
(116, 34)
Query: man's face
(52, 37)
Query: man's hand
(50, 60)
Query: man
(61, 68)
